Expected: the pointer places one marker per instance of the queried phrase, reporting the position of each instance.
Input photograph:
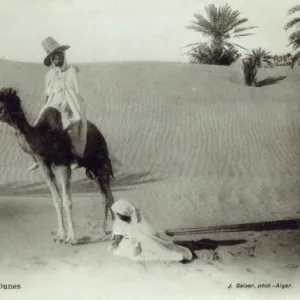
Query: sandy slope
(191, 144)
(193, 148)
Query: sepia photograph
(149, 150)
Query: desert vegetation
(294, 37)
(282, 60)
(222, 25)
(205, 53)
(257, 58)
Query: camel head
(10, 105)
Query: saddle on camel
(61, 136)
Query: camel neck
(20, 123)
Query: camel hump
(51, 118)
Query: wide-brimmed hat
(50, 45)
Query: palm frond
(228, 17)
(240, 35)
(221, 24)
(202, 22)
(241, 29)
(294, 40)
(188, 52)
(294, 36)
(260, 57)
(189, 45)
(292, 23)
(196, 27)
(201, 54)
(208, 54)
(294, 9)
(235, 23)
(295, 58)
(212, 13)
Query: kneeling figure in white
(136, 238)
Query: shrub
(254, 60)
(210, 55)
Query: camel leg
(50, 179)
(105, 188)
(64, 176)
(26, 148)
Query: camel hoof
(71, 240)
(59, 237)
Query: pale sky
(127, 30)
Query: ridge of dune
(193, 147)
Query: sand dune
(205, 146)
(191, 146)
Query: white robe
(154, 245)
(62, 92)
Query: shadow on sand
(203, 244)
(260, 226)
(193, 245)
(270, 81)
(121, 183)
(207, 244)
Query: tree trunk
(217, 48)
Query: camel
(50, 144)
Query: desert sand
(192, 147)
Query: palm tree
(222, 25)
(254, 60)
(261, 57)
(250, 71)
(294, 38)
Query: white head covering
(152, 242)
(124, 208)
